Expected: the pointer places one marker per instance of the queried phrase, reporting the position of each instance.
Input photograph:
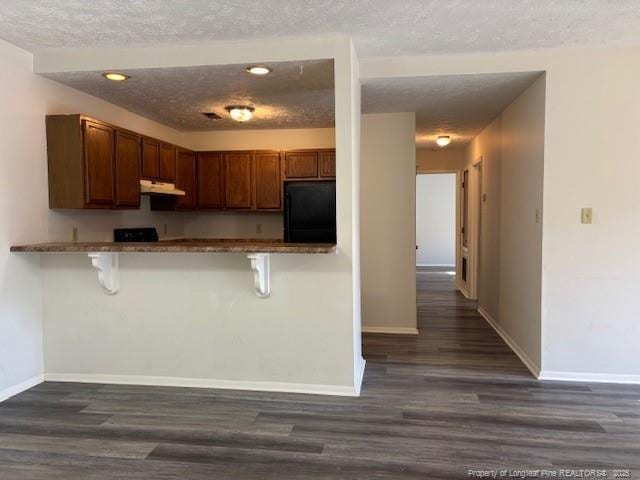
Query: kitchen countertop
(185, 245)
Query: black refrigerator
(310, 212)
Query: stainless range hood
(150, 187)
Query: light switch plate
(587, 215)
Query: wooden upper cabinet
(327, 161)
(150, 159)
(210, 181)
(127, 169)
(268, 181)
(167, 163)
(238, 180)
(301, 164)
(98, 163)
(186, 179)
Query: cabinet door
(327, 164)
(238, 180)
(98, 163)
(268, 183)
(300, 164)
(127, 169)
(167, 168)
(186, 179)
(210, 181)
(150, 159)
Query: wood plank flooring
(433, 406)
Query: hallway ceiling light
(258, 70)
(240, 113)
(443, 140)
(116, 76)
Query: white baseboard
(359, 375)
(435, 265)
(343, 390)
(465, 293)
(530, 364)
(589, 377)
(390, 330)
(21, 387)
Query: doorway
(436, 222)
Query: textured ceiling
(456, 105)
(379, 27)
(293, 95)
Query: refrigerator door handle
(287, 216)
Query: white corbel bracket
(106, 263)
(261, 267)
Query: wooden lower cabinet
(186, 179)
(127, 169)
(210, 181)
(268, 181)
(238, 180)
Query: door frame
(470, 289)
(458, 210)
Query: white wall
(24, 213)
(195, 319)
(388, 222)
(436, 219)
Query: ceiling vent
(211, 115)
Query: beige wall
(263, 225)
(511, 152)
(262, 139)
(487, 148)
(523, 126)
(388, 222)
(444, 160)
(24, 213)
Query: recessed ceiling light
(443, 140)
(115, 76)
(212, 115)
(258, 69)
(240, 113)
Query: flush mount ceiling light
(240, 113)
(443, 140)
(116, 76)
(258, 70)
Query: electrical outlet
(74, 234)
(587, 216)
(166, 229)
(258, 228)
(537, 215)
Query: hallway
(453, 338)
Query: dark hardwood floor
(433, 406)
